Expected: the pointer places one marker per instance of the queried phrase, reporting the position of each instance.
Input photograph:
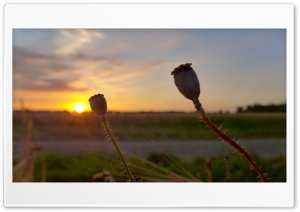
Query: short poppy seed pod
(187, 82)
(98, 104)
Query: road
(185, 149)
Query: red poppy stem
(230, 141)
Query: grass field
(83, 168)
(157, 167)
(149, 126)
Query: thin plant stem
(202, 114)
(180, 168)
(117, 148)
(228, 174)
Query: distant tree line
(262, 108)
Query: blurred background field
(163, 147)
(65, 126)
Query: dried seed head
(98, 104)
(137, 178)
(187, 82)
(208, 163)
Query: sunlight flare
(79, 107)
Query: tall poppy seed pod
(98, 104)
(187, 82)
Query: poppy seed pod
(187, 82)
(98, 104)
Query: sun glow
(79, 107)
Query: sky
(55, 69)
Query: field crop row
(148, 126)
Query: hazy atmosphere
(55, 69)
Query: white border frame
(147, 16)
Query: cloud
(125, 76)
(51, 85)
(72, 41)
(48, 85)
(124, 70)
(43, 72)
(33, 63)
(95, 59)
(80, 72)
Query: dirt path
(184, 149)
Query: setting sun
(79, 107)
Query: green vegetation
(159, 167)
(63, 126)
(262, 108)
